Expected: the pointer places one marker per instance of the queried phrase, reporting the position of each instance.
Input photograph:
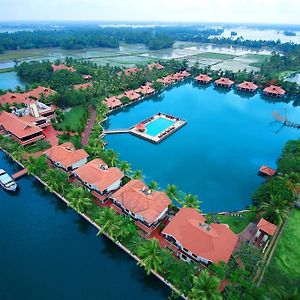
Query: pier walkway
(19, 174)
(115, 131)
(285, 121)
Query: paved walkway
(88, 129)
(51, 135)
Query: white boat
(7, 182)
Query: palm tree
(172, 192)
(153, 185)
(56, 181)
(38, 165)
(192, 201)
(284, 294)
(125, 167)
(79, 199)
(126, 228)
(149, 252)
(107, 221)
(205, 287)
(275, 211)
(137, 174)
(113, 157)
(18, 154)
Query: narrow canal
(49, 252)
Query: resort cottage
(203, 78)
(247, 86)
(113, 102)
(166, 80)
(192, 239)
(132, 95)
(66, 157)
(224, 82)
(56, 68)
(264, 230)
(83, 86)
(147, 208)
(129, 71)
(99, 178)
(267, 171)
(158, 66)
(145, 90)
(21, 131)
(274, 91)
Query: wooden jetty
(285, 121)
(19, 174)
(116, 131)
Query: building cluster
(246, 86)
(28, 116)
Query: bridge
(284, 120)
(115, 131)
(19, 174)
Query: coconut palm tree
(113, 157)
(149, 252)
(108, 222)
(79, 199)
(173, 192)
(205, 287)
(56, 181)
(38, 165)
(137, 174)
(192, 201)
(126, 228)
(153, 185)
(275, 211)
(125, 167)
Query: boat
(7, 182)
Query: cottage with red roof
(158, 66)
(60, 67)
(65, 156)
(224, 82)
(247, 86)
(274, 91)
(203, 78)
(197, 240)
(265, 229)
(145, 90)
(21, 131)
(113, 102)
(147, 208)
(267, 171)
(166, 80)
(129, 71)
(83, 86)
(98, 177)
(132, 95)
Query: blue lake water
(218, 153)
(158, 125)
(49, 252)
(10, 80)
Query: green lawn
(258, 59)
(72, 118)
(284, 268)
(213, 55)
(237, 223)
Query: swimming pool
(158, 125)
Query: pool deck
(162, 135)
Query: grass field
(284, 268)
(23, 53)
(72, 118)
(213, 55)
(236, 223)
(258, 59)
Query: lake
(47, 251)
(10, 80)
(217, 154)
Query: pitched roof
(274, 89)
(149, 206)
(145, 89)
(166, 80)
(18, 127)
(62, 67)
(203, 77)
(214, 242)
(129, 71)
(266, 226)
(83, 86)
(66, 154)
(248, 85)
(113, 102)
(97, 172)
(132, 95)
(157, 65)
(267, 170)
(224, 81)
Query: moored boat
(7, 181)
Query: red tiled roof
(145, 90)
(224, 81)
(132, 95)
(96, 172)
(157, 65)
(150, 207)
(267, 170)
(129, 71)
(266, 226)
(140, 126)
(113, 102)
(247, 85)
(166, 80)
(274, 89)
(18, 127)
(66, 154)
(83, 86)
(62, 67)
(203, 77)
(214, 242)
(25, 97)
